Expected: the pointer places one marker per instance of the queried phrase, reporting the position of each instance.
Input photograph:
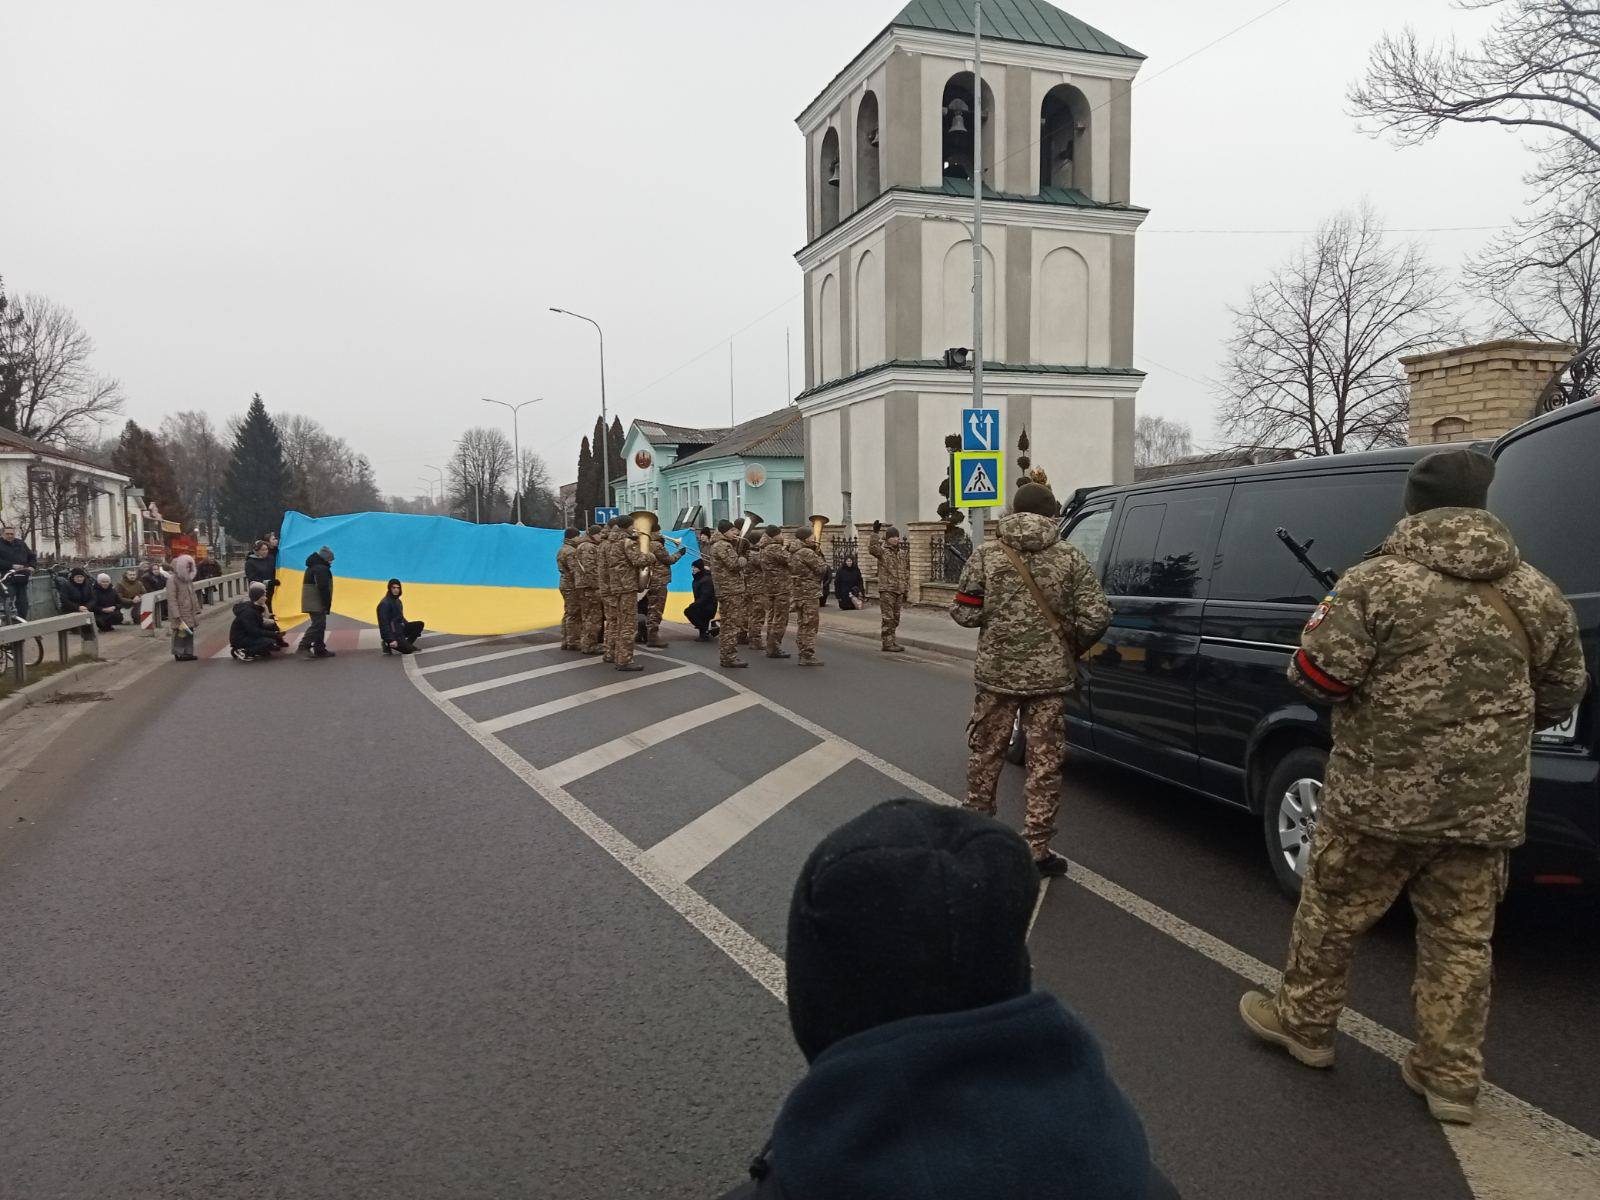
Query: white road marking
(488, 685)
(702, 841)
(618, 749)
(483, 658)
(550, 707)
(760, 963)
(465, 642)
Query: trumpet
(678, 542)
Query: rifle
(1302, 555)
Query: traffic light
(958, 358)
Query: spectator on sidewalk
(130, 592)
(396, 632)
(107, 603)
(848, 585)
(316, 597)
(151, 577)
(261, 566)
(936, 1071)
(703, 608)
(17, 560)
(183, 607)
(75, 593)
(208, 568)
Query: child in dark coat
(397, 632)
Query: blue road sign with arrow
(980, 429)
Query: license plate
(1560, 734)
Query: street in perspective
(492, 706)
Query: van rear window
(1344, 514)
(1547, 491)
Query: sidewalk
(928, 629)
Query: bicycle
(9, 616)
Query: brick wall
(1473, 393)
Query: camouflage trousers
(571, 619)
(805, 625)
(756, 618)
(655, 607)
(777, 620)
(591, 618)
(1351, 881)
(622, 626)
(889, 605)
(1043, 720)
(732, 614)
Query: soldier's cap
(1035, 498)
(1449, 479)
(724, 525)
(909, 909)
(772, 531)
(890, 531)
(570, 533)
(596, 530)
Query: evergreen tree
(11, 342)
(619, 466)
(140, 456)
(255, 489)
(588, 488)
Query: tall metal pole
(516, 447)
(977, 229)
(731, 420)
(605, 431)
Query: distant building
(648, 449)
(757, 467)
(889, 155)
(65, 504)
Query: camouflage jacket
(661, 569)
(1018, 653)
(728, 566)
(775, 556)
(807, 568)
(585, 563)
(564, 557)
(622, 561)
(1436, 702)
(894, 566)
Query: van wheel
(1292, 803)
(1017, 750)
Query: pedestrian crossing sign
(979, 478)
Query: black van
(1188, 684)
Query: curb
(45, 688)
(949, 650)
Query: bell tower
(890, 146)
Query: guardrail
(225, 587)
(15, 638)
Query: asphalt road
(367, 928)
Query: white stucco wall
(1071, 318)
(1072, 441)
(828, 364)
(822, 468)
(947, 291)
(868, 445)
(867, 305)
(936, 72)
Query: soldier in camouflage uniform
(1025, 668)
(623, 562)
(586, 589)
(807, 568)
(660, 580)
(571, 619)
(730, 562)
(1443, 653)
(774, 577)
(894, 580)
(756, 596)
(602, 575)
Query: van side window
(1088, 533)
(1547, 490)
(1164, 545)
(1345, 514)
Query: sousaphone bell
(645, 523)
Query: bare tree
(1531, 298)
(1537, 69)
(1312, 363)
(60, 501)
(328, 476)
(478, 472)
(199, 464)
(1160, 440)
(52, 392)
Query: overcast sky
(364, 210)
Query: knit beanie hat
(257, 590)
(326, 553)
(909, 909)
(1036, 498)
(1449, 479)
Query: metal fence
(841, 546)
(948, 557)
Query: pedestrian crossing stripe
(979, 476)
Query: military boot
(1441, 1108)
(1260, 1013)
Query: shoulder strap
(1495, 599)
(1050, 617)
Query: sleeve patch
(967, 598)
(1322, 610)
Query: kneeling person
(397, 632)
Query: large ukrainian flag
(459, 577)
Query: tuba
(644, 525)
(818, 522)
(746, 523)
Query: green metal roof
(1029, 21)
(989, 368)
(1062, 197)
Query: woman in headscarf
(183, 607)
(847, 584)
(107, 605)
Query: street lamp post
(516, 446)
(605, 431)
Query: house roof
(1193, 464)
(776, 435)
(1031, 22)
(11, 440)
(661, 433)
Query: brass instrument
(818, 521)
(678, 542)
(748, 522)
(644, 525)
